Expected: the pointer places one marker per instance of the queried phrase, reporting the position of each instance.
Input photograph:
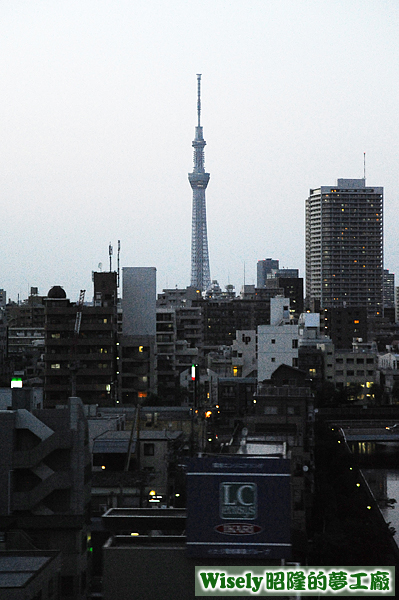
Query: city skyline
(96, 122)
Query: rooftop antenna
(118, 275)
(110, 251)
(364, 167)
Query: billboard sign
(239, 505)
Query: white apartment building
(278, 342)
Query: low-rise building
(30, 575)
(45, 478)
(353, 367)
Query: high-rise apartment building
(344, 246)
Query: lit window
(141, 348)
(56, 366)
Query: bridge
(368, 431)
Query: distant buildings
(344, 247)
(389, 289)
(265, 269)
(270, 276)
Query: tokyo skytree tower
(200, 273)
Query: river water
(384, 483)
(380, 466)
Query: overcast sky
(98, 112)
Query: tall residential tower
(200, 273)
(344, 246)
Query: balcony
(29, 499)
(28, 459)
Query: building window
(273, 341)
(149, 449)
(295, 343)
(56, 366)
(350, 373)
(271, 410)
(52, 585)
(83, 580)
(273, 359)
(66, 585)
(294, 362)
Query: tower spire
(199, 99)
(200, 272)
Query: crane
(74, 364)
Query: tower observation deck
(200, 272)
